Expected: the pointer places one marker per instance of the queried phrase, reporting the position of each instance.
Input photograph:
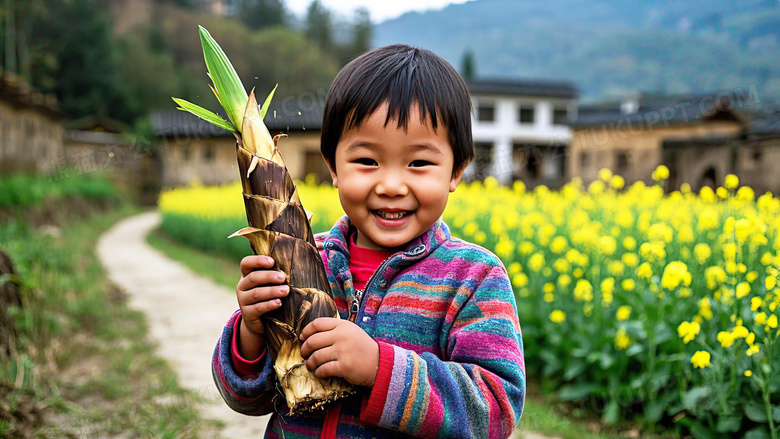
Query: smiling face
(393, 183)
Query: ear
(332, 172)
(456, 179)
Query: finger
(260, 278)
(260, 308)
(261, 294)
(329, 369)
(251, 263)
(315, 342)
(319, 325)
(321, 357)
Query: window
(208, 153)
(621, 162)
(483, 159)
(314, 164)
(526, 114)
(560, 115)
(584, 160)
(486, 113)
(185, 154)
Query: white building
(520, 130)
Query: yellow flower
(607, 245)
(745, 193)
(645, 271)
(629, 243)
(715, 277)
(557, 316)
(605, 174)
(564, 280)
(583, 290)
(549, 287)
(752, 350)
(608, 285)
(722, 192)
(622, 340)
(675, 273)
(743, 289)
(766, 259)
(748, 373)
(561, 265)
(578, 272)
(750, 339)
(617, 182)
(630, 259)
(628, 284)
(688, 331)
(515, 268)
(731, 182)
(701, 359)
(702, 252)
(623, 313)
(739, 331)
(536, 262)
(660, 173)
(752, 276)
(558, 245)
(549, 297)
(761, 318)
(772, 321)
(726, 339)
(770, 283)
(520, 280)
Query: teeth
(388, 215)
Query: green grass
(541, 415)
(23, 190)
(81, 363)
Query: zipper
(357, 302)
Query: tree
(319, 26)
(468, 68)
(362, 32)
(258, 14)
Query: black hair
(402, 76)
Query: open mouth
(392, 215)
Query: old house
(194, 151)
(30, 127)
(632, 138)
(521, 130)
(753, 155)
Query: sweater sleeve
(478, 392)
(252, 394)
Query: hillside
(607, 48)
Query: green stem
(765, 391)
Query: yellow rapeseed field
(663, 305)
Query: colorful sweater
(451, 355)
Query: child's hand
(258, 292)
(334, 347)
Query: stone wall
(28, 137)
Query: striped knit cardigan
(451, 354)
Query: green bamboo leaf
(204, 114)
(267, 102)
(232, 94)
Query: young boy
(429, 333)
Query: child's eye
(366, 162)
(419, 163)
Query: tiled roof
(522, 88)
(661, 111)
(16, 91)
(279, 119)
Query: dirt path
(185, 311)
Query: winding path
(186, 313)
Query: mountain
(609, 49)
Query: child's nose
(392, 184)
